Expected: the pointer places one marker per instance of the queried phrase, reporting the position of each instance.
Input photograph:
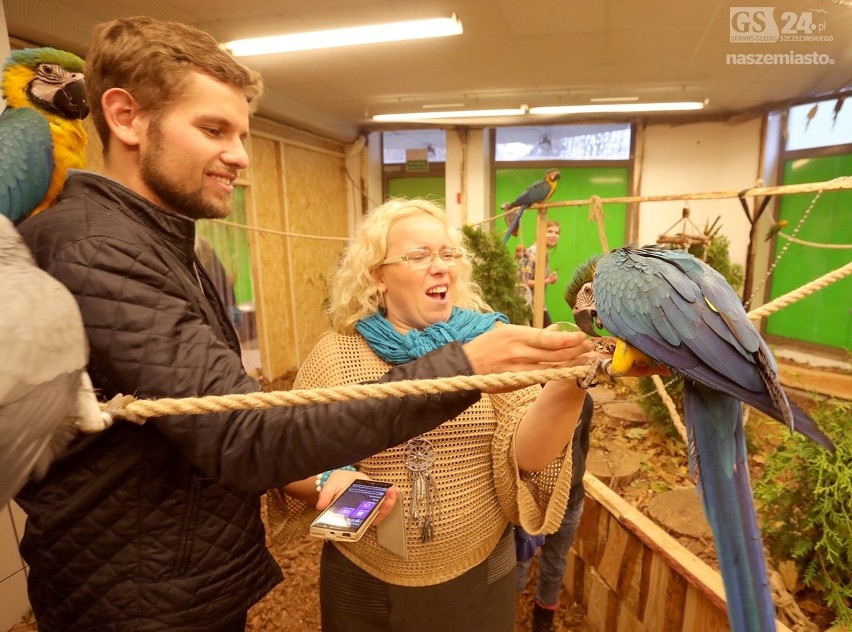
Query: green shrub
(805, 501)
(496, 273)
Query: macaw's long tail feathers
(716, 427)
(803, 424)
(514, 224)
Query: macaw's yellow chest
(69, 152)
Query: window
(819, 125)
(395, 143)
(563, 142)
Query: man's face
(192, 152)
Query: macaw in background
(776, 228)
(537, 192)
(41, 129)
(668, 307)
(46, 395)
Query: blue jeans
(553, 557)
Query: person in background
(553, 554)
(526, 267)
(403, 287)
(157, 526)
(222, 281)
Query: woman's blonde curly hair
(354, 292)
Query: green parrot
(667, 307)
(41, 129)
(776, 228)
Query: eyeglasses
(422, 258)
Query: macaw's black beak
(71, 100)
(585, 312)
(586, 320)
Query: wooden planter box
(631, 576)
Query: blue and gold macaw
(668, 307)
(41, 129)
(540, 191)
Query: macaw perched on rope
(668, 307)
(46, 396)
(537, 192)
(41, 129)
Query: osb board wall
(295, 188)
(270, 252)
(315, 199)
(631, 576)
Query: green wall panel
(823, 317)
(232, 247)
(578, 236)
(429, 187)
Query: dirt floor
(293, 606)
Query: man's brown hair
(151, 59)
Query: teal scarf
(463, 326)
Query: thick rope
(670, 406)
(784, 248)
(139, 410)
(814, 244)
(800, 293)
(596, 215)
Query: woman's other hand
(339, 480)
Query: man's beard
(191, 204)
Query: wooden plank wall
(297, 184)
(317, 207)
(631, 576)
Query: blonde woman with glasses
(404, 288)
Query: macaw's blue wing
(718, 452)
(26, 162)
(681, 312)
(537, 192)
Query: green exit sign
(416, 160)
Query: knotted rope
(138, 410)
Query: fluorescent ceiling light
(613, 99)
(619, 107)
(422, 116)
(393, 32)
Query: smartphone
(347, 518)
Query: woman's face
(552, 236)
(415, 299)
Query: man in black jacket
(157, 527)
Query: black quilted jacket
(157, 527)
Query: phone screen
(353, 507)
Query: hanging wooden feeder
(684, 239)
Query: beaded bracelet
(322, 479)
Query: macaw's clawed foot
(598, 365)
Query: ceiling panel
(539, 52)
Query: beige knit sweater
(478, 484)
